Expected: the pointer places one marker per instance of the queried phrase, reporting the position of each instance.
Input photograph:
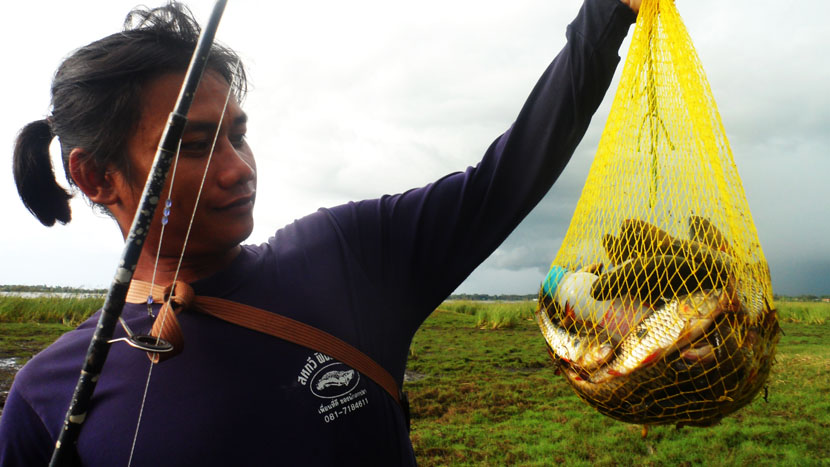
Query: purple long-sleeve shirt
(368, 272)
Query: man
(367, 272)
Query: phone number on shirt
(351, 407)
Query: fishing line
(204, 176)
(140, 413)
(150, 300)
(184, 247)
(166, 214)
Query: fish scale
(650, 339)
(563, 344)
(569, 347)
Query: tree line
(48, 289)
(473, 297)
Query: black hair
(96, 101)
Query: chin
(242, 231)
(246, 233)
(218, 242)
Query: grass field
(490, 397)
(483, 392)
(67, 311)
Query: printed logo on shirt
(335, 383)
(333, 380)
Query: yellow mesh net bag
(658, 306)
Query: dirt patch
(18, 343)
(8, 368)
(410, 375)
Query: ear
(94, 181)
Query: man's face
(224, 216)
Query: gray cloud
(354, 100)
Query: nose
(235, 166)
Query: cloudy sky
(351, 100)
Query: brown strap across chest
(269, 323)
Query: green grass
(496, 315)
(490, 397)
(804, 312)
(22, 340)
(28, 325)
(465, 307)
(67, 311)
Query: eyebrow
(210, 126)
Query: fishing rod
(66, 452)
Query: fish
(621, 316)
(676, 324)
(643, 237)
(595, 269)
(673, 326)
(571, 306)
(614, 249)
(703, 231)
(726, 364)
(651, 279)
(701, 348)
(752, 300)
(637, 238)
(703, 355)
(575, 350)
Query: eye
(237, 140)
(195, 147)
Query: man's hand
(633, 4)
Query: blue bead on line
(166, 218)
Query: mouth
(240, 203)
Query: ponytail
(35, 178)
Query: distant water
(52, 294)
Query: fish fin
(651, 358)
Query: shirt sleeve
(24, 440)
(418, 246)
